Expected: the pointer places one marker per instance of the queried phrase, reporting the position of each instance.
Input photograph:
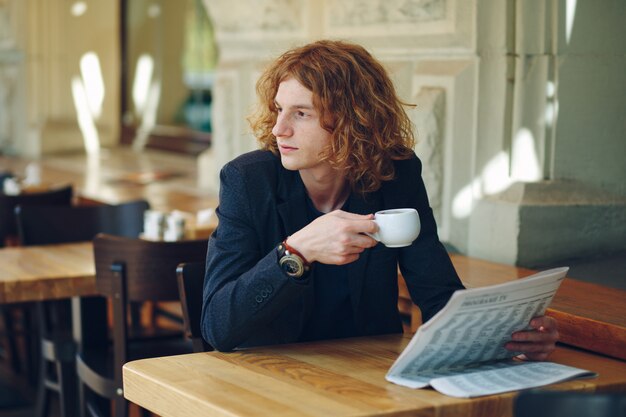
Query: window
(168, 58)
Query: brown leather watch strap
(295, 252)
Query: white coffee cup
(396, 227)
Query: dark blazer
(250, 301)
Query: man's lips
(285, 148)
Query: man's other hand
(538, 342)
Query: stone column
(12, 82)
(543, 192)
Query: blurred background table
(167, 181)
(37, 273)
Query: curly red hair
(357, 104)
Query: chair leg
(32, 342)
(82, 403)
(42, 399)
(93, 404)
(66, 374)
(120, 406)
(57, 353)
(9, 327)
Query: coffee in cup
(396, 227)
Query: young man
(290, 260)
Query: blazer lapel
(293, 215)
(292, 207)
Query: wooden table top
(329, 378)
(35, 273)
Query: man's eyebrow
(297, 106)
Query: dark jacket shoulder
(258, 159)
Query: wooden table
(36, 273)
(331, 378)
(166, 180)
(590, 316)
(49, 273)
(63, 271)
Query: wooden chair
(190, 286)
(126, 270)
(41, 225)
(8, 232)
(8, 227)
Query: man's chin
(288, 165)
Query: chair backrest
(128, 270)
(8, 227)
(149, 266)
(190, 285)
(41, 225)
(539, 403)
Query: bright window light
(495, 176)
(78, 8)
(526, 165)
(85, 119)
(570, 13)
(92, 80)
(141, 83)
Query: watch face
(292, 266)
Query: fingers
(535, 336)
(335, 238)
(544, 323)
(351, 216)
(538, 343)
(344, 259)
(356, 223)
(540, 356)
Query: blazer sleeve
(425, 265)
(244, 288)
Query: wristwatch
(291, 261)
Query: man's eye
(301, 114)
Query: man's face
(299, 135)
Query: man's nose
(281, 127)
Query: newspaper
(460, 351)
